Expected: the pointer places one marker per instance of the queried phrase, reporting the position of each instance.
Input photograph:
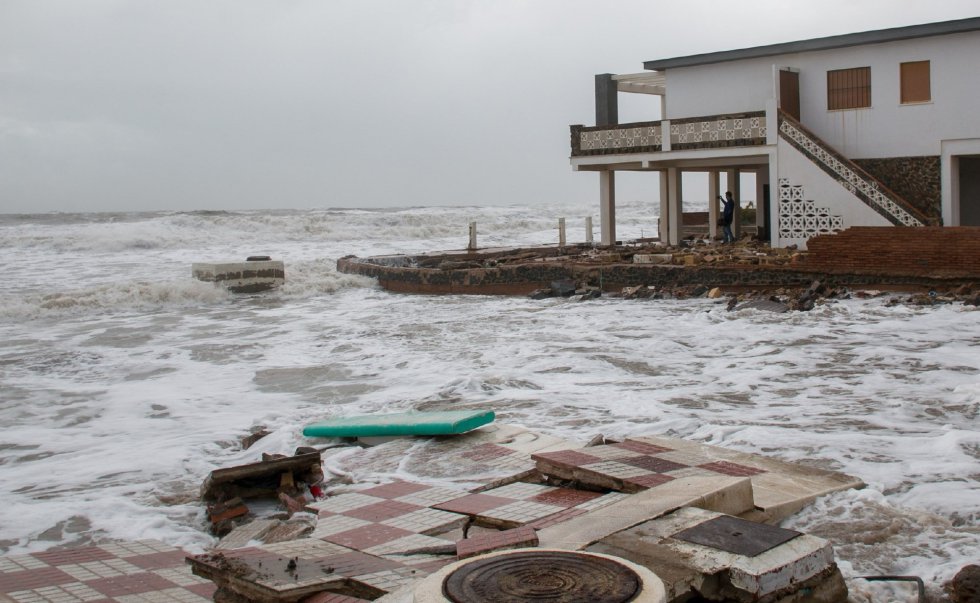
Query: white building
(876, 128)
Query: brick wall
(931, 251)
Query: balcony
(692, 133)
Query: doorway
(789, 92)
(969, 189)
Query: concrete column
(607, 207)
(606, 100)
(561, 232)
(472, 245)
(714, 187)
(735, 187)
(664, 208)
(588, 229)
(674, 199)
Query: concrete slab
(291, 571)
(717, 574)
(579, 532)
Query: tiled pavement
(632, 466)
(130, 572)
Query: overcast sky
(109, 105)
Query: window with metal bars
(849, 88)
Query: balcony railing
(709, 132)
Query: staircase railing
(860, 183)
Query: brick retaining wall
(931, 251)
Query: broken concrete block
(256, 479)
(738, 564)
(715, 293)
(653, 258)
(223, 515)
(242, 277)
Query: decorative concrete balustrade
(704, 132)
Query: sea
(124, 381)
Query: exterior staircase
(865, 187)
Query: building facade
(868, 129)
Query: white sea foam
(124, 381)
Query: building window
(915, 82)
(849, 88)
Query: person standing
(727, 216)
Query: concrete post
(734, 185)
(606, 100)
(588, 229)
(607, 207)
(664, 208)
(714, 189)
(561, 232)
(674, 197)
(472, 245)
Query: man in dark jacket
(727, 216)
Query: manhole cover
(736, 535)
(559, 577)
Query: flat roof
(842, 41)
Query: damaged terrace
(496, 513)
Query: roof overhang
(829, 43)
(642, 83)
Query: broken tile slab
(801, 562)
(242, 535)
(639, 463)
(781, 488)
(630, 466)
(371, 523)
(144, 570)
(520, 503)
(581, 531)
(496, 541)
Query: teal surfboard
(447, 422)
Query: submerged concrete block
(242, 277)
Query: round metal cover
(557, 577)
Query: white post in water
(561, 232)
(588, 230)
(472, 245)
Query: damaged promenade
(663, 518)
(931, 264)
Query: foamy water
(124, 381)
